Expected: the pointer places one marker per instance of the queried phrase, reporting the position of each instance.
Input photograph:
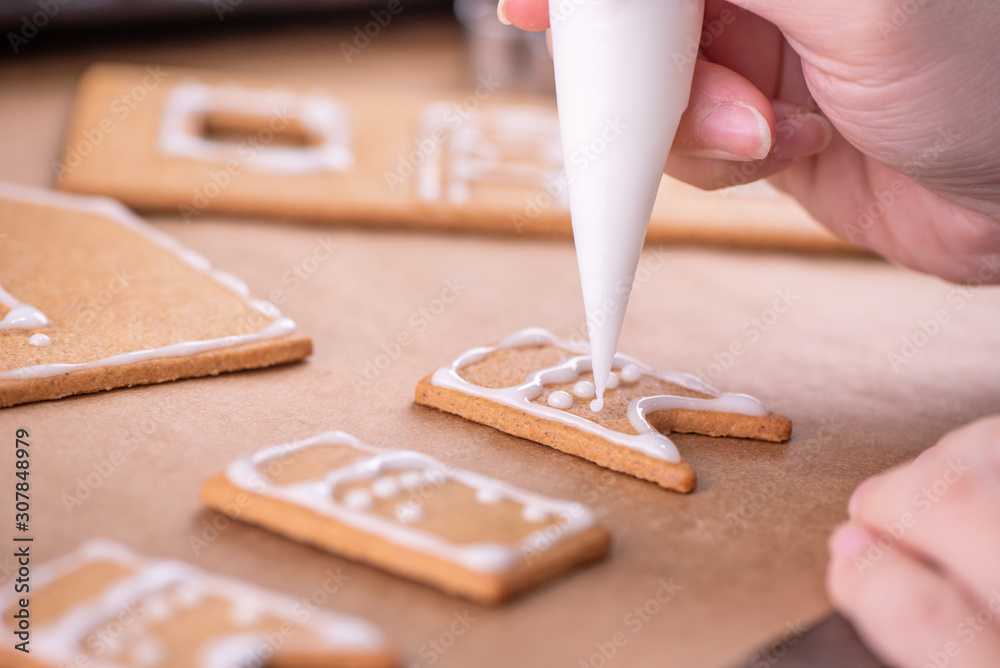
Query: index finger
(525, 14)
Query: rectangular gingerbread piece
(409, 514)
(103, 606)
(92, 298)
(191, 142)
(538, 387)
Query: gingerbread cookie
(92, 298)
(538, 387)
(407, 513)
(191, 142)
(104, 606)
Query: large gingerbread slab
(192, 142)
(539, 387)
(407, 513)
(103, 606)
(92, 298)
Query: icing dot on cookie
(411, 479)
(534, 514)
(358, 499)
(584, 389)
(409, 512)
(156, 609)
(385, 487)
(560, 399)
(39, 340)
(244, 615)
(146, 653)
(631, 373)
(488, 495)
(186, 596)
(597, 404)
(612, 382)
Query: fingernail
(502, 12)
(848, 541)
(859, 491)
(736, 131)
(802, 135)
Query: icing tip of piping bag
(597, 405)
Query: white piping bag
(623, 73)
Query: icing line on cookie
(112, 210)
(320, 115)
(320, 497)
(648, 440)
(157, 588)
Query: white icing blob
(385, 487)
(630, 373)
(147, 653)
(488, 496)
(411, 479)
(409, 512)
(322, 499)
(560, 399)
(612, 381)
(20, 315)
(534, 514)
(584, 389)
(40, 340)
(648, 441)
(24, 316)
(359, 499)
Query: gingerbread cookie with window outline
(536, 386)
(104, 606)
(409, 514)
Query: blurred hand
(881, 117)
(917, 567)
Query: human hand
(917, 567)
(908, 164)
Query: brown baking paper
(692, 580)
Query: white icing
(612, 382)
(649, 441)
(411, 479)
(630, 373)
(147, 653)
(534, 514)
(359, 499)
(385, 487)
(504, 145)
(409, 512)
(163, 588)
(584, 389)
(114, 211)
(623, 67)
(40, 340)
(322, 498)
(20, 315)
(560, 399)
(320, 115)
(488, 496)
